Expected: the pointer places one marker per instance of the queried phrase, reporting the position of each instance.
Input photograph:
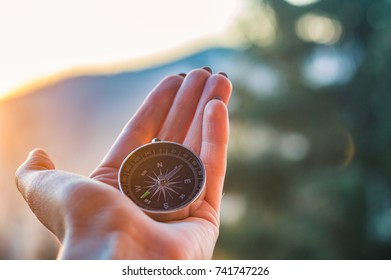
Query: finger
(217, 86)
(146, 123)
(38, 160)
(30, 180)
(214, 150)
(184, 106)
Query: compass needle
(170, 194)
(149, 182)
(155, 192)
(159, 195)
(173, 183)
(172, 190)
(176, 177)
(154, 179)
(174, 171)
(164, 193)
(145, 195)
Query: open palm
(92, 219)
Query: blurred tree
(311, 131)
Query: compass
(162, 178)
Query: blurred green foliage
(310, 162)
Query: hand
(93, 220)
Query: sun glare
(42, 37)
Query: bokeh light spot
(318, 29)
(294, 146)
(233, 208)
(328, 66)
(301, 3)
(260, 26)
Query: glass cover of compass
(162, 176)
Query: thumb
(35, 180)
(37, 160)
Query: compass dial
(162, 177)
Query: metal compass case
(163, 178)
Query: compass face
(162, 176)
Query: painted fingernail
(223, 74)
(217, 98)
(207, 69)
(182, 74)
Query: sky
(43, 37)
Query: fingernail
(182, 74)
(217, 98)
(207, 69)
(223, 74)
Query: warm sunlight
(42, 37)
